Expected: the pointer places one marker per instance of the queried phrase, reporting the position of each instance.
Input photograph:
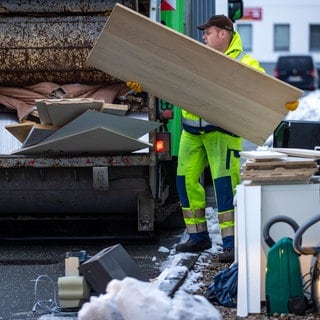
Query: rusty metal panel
(50, 41)
(62, 6)
(48, 161)
(48, 49)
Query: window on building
(281, 37)
(245, 31)
(314, 43)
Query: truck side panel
(57, 191)
(50, 40)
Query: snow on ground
(193, 282)
(130, 299)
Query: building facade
(270, 28)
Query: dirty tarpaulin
(223, 290)
(23, 99)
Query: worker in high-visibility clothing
(203, 144)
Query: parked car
(297, 70)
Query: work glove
(293, 105)
(134, 86)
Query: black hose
(297, 241)
(266, 230)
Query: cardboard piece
(287, 162)
(191, 75)
(30, 130)
(20, 130)
(277, 170)
(60, 111)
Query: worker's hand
(134, 85)
(291, 106)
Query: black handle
(266, 231)
(297, 241)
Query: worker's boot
(193, 246)
(196, 225)
(227, 256)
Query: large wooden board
(191, 75)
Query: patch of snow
(132, 299)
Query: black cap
(220, 21)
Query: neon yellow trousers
(219, 150)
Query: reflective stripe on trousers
(226, 223)
(195, 220)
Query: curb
(173, 281)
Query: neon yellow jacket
(233, 51)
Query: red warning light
(160, 146)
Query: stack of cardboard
(76, 126)
(275, 166)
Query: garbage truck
(45, 44)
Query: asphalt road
(29, 273)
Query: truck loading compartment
(50, 44)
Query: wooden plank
(289, 162)
(116, 109)
(191, 75)
(279, 174)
